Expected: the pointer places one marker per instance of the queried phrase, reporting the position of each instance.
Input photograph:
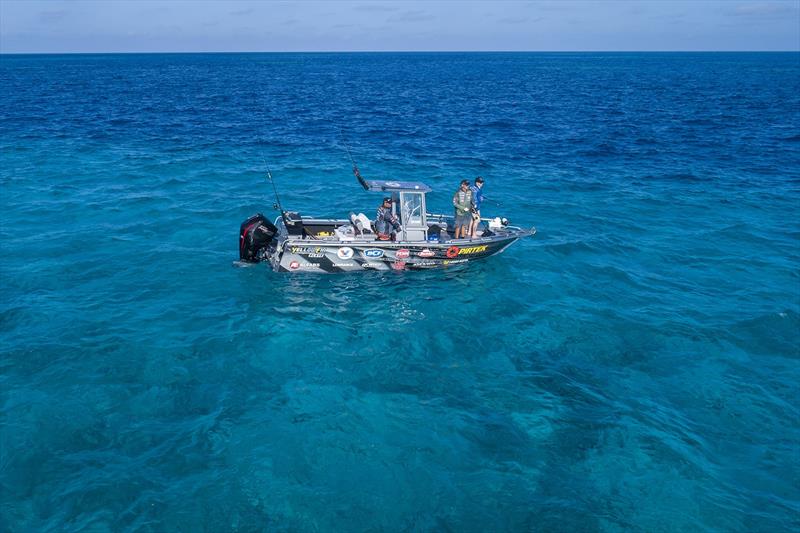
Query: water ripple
(634, 366)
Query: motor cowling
(255, 235)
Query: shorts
(463, 220)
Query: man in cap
(462, 201)
(477, 200)
(386, 220)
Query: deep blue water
(635, 366)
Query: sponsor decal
(402, 253)
(345, 252)
(373, 253)
(455, 251)
(308, 251)
(392, 184)
(372, 265)
(399, 265)
(472, 250)
(294, 265)
(426, 253)
(425, 263)
(453, 262)
(341, 265)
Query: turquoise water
(635, 366)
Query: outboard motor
(255, 234)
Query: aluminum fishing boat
(295, 243)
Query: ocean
(633, 367)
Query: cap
(387, 199)
(479, 180)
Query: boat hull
(302, 255)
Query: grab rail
(441, 218)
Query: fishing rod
(274, 189)
(498, 204)
(356, 172)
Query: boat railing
(431, 217)
(435, 217)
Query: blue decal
(373, 253)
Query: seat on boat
(359, 229)
(361, 224)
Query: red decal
(452, 252)
(241, 244)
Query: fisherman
(462, 201)
(386, 221)
(477, 200)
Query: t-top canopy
(389, 185)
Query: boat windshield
(412, 209)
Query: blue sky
(187, 26)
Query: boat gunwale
(518, 231)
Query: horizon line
(184, 52)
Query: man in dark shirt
(386, 220)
